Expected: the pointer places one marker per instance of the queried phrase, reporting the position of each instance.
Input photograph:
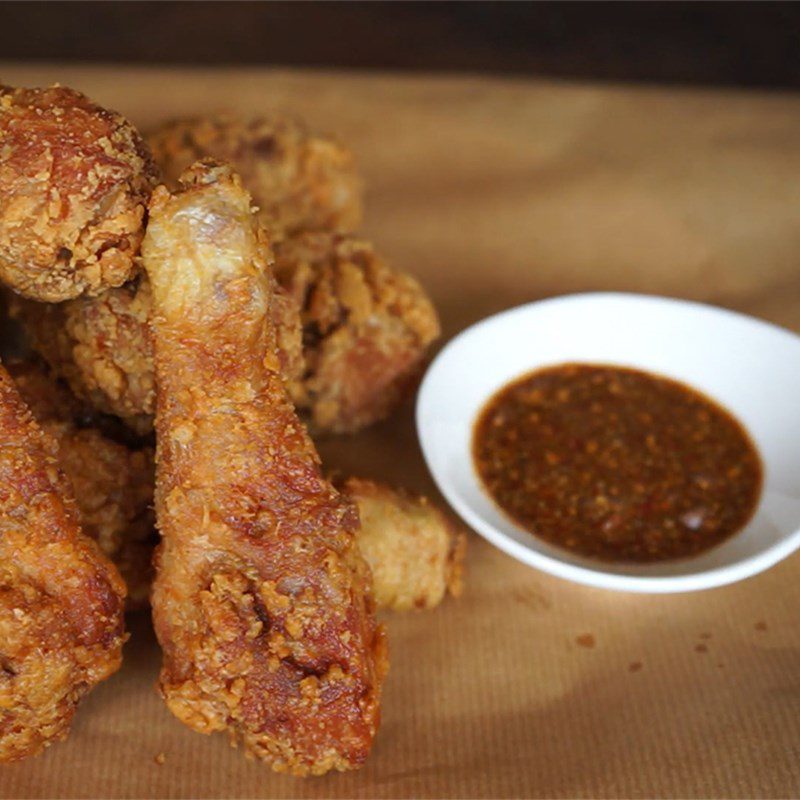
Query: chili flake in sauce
(616, 464)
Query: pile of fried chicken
(196, 308)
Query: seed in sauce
(616, 464)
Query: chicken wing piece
(111, 479)
(366, 329)
(74, 184)
(298, 181)
(262, 602)
(61, 600)
(415, 551)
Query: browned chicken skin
(112, 481)
(262, 603)
(298, 181)
(61, 600)
(74, 184)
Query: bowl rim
(596, 576)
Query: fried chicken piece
(366, 329)
(103, 348)
(74, 184)
(61, 600)
(111, 481)
(298, 181)
(262, 602)
(415, 551)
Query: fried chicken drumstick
(61, 600)
(74, 184)
(262, 602)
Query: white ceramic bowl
(751, 367)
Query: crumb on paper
(532, 599)
(700, 648)
(634, 666)
(760, 625)
(160, 758)
(585, 640)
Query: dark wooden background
(732, 44)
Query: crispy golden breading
(111, 481)
(415, 551)
(61, 600)
(297, 180)
(74, 184)
(262, 603)
(114, 487)
(366, 329)
(102, 346)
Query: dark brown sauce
(616, 464)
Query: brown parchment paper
(495, 193)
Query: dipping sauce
(616, 464)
